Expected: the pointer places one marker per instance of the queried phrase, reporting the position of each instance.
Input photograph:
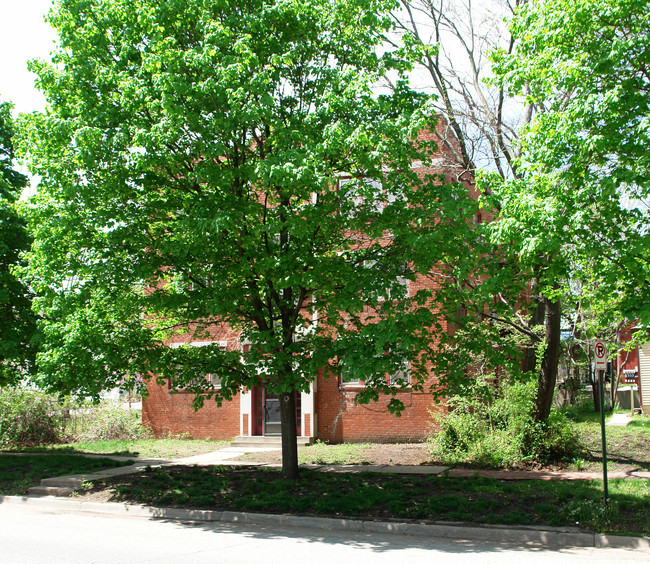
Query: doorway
(266, 413)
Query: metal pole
(601, 387)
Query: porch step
(265, 442)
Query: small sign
(600, 352)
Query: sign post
(600, 353)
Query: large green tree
(17, 322)
(452, 40)
(212, 161)
(571, 228)
(579, 217)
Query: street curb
(549, 538)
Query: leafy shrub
(492, 425)
(105, 421)
(29, 418)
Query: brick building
(328, 410)
(633, 369)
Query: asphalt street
(37, 535)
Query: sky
(24, 35)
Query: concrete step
(50, 491)
(265, 442)
(72, 482)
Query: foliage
(209, 162)
(105, 421)
(451, 40)
(492, 425)
(28, 418)
(17, 322)
(583, 202)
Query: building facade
(328, 411)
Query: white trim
(307, 407)
(246, 408)
(222, 344)
(644, 376)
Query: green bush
(105, 421)
(492, 425)
(29, 418)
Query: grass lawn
(389, 496)
(143, 448)
(20, 472)
(627, 447)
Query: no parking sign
(600, 352)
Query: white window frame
(357, 199)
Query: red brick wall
(172, 414)
(628, 360)
(338, 418)
(341, 420)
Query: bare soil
(380, 454)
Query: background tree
(17, 323)
(573, 240)
(192, 160)
(453, 40)
(587, 165)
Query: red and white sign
(600, 352)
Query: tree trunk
(530, 353)
(595, 391)
(289, 443)
(548, 372)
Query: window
(399, 290)
(213, 379)
(365, 191)
(401, 376)
(349, 377)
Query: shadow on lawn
(64, 449)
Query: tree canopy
(17, 323)
(569, 189)
(586, 153)
(578, 217)
(209, 162)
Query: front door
(272, 425)
(266, 413)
